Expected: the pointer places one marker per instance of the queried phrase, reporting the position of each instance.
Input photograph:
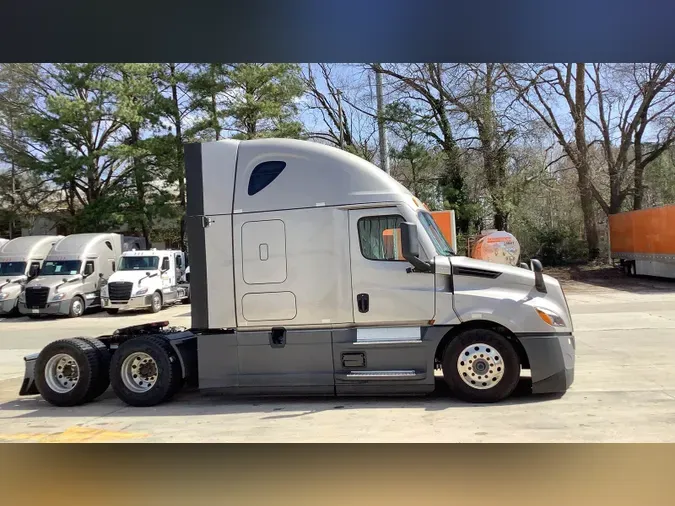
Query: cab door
(384, 293)
(180, 267)
(167, 273)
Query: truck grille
(36, 298)
(120, 291)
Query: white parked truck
(294, 291)
(71, 276)
(20, 262)
(146, 279)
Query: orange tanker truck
(644, 241)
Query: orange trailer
(644, 241)
(446, 222)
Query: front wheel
(156, 303)
(76, 307)
(481, 365)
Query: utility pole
(342, 135)
(384, 150)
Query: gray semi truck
(313, 272)
(71, 276)
(21, 260)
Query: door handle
(363, 302)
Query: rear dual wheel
(481, 365)
(70, 372)
(145, 371)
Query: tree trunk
(140, 190)
(214, 117)
(583, 168)
(590, 224)
(501, 220)
(179, 153)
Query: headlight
(141, 291)
(3, 295)
(550, 317)
(59, 296)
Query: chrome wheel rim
(77, 307)
(156, 301)
(62, 373)
(139, 372)
(480, 366)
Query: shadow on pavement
(196, 404)
(614, 279)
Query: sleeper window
(379, 237)
(263, 175)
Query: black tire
(155, 306)
(169, 374)
(75, 311)
(509, 358)
(112, 311)
(87, 360)
(103, 380)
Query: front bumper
(144, 301)
(552, 359)
(52, 308)
(8, 305)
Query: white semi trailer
(295, 292)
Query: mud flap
(28, 386)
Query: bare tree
(540, 87)
(633, 101)
(344, 120)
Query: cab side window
(179, 261)
(380, 237)
(165, 264)
(89, 268)
(34, 270)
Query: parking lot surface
(624, 389)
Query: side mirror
(539, 283)
(100, 275)
(410, 246)
(65, 280)
(523, 265)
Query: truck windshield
(60, 267)
(12, 268)
(139, 264)
(440, 244)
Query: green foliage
(263, 99)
